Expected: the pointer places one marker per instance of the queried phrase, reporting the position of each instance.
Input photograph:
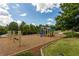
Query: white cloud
(3, 10)
(4, 6)
(4, 20)
(5, 17)
(34, 24)
(48, 11)
(45, 7)
(17, 5)
(23, 14)
(51, 21)
(19, 22)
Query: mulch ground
(28, 42)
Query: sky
(31, 13)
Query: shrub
(3, 30)
(71, 34)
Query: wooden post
(19, 38)
(13, 36)
(9, 35)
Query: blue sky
(34, 13)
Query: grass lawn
(63, 47)
(25, 53)
(28, 53)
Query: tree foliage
(28, 29)
(69, 17)
(13, 26)
(3, 30)
(23, 27)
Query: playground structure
(15, 37)
(46, 31)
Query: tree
(3, 30)
(68, 18)
(28, 29)
(33, 29)
(22, 27)
(13, 26)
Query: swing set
(46, 31)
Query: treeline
(23, 27)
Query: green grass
(25, 53)
(63, 47)
(28, 53)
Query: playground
(14, 42)
(48, 33)
(10, 47)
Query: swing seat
(16, 38)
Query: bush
(3, 30)
(71, 34)
(2, 33)
(25, 53)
